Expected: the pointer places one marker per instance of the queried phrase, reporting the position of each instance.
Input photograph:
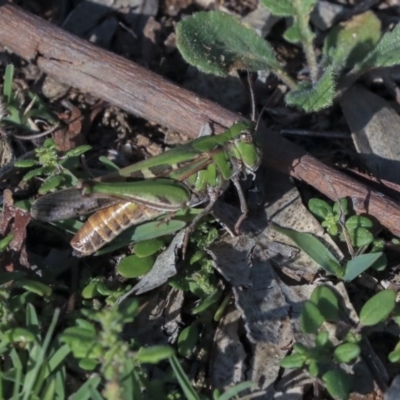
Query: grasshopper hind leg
(213, 196)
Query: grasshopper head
(245, 148)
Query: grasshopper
(183, 177)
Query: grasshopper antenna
(260, 115)
(252, 96)
(250, 83)
(85, 166)
(246, 78)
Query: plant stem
(283, 76)
(307, 36)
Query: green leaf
(188, 390)
(35, 172)
(300, 11)
(82, 342)
(77, 151)
(281, 8)
(84, 323)
(51, 183)
(8, 79)
(233, 392)
(292, 361)
(381, 263)
(147, 248)
(90, 291)
(19, 335)
(378, 308)
(33, 375)
(188, 339)
(314, 98)
(134, 266)
(394, 356)
(33, 286)
(49, 144)
(88, 364)
(358, 221)
(128, 310)
(49, 391)
(6, 241)
(359, 236)
(359, 264)
(218, 43)
(338, 383)
(25, 163)
(326, 301)
(154, 354)
(11, 276)
(103, 289)
(293, 34)
(110, 166)
(289, 8)
(32, 319)
(346, 352)
(83, 393)
(304, 6)
(341, 207)
(313, 369)
(207, 302)
(310, 318)
(350, 42)
(314, 248)
(320, 208)
(148, 230)
(386, 53)
(322, 339)
(301, 349)
(77, 334)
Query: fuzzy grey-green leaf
(316, 97)
(387, 51)
(218, 43)
(350, 42)
(282, 8)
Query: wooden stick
(78, 63)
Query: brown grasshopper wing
(68, 203)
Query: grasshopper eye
(245, 136)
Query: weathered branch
(139, 91)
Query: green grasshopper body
(183, 177)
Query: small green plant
(13, 115)
(218, 43)
(52, 165)
(336, 220)
(324, 359)
(39, 348)
(352, 229)
(33, 362)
